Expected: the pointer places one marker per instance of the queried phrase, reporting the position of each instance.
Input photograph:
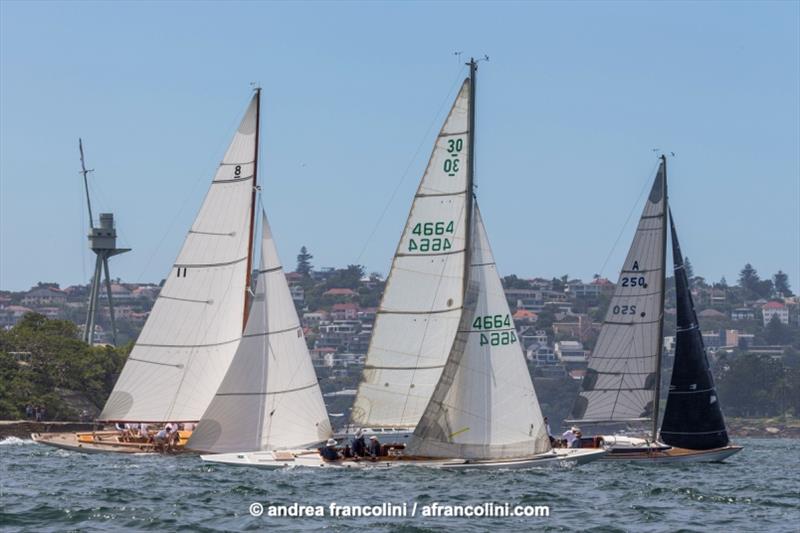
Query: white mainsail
(193, 330)
(484, 406)
(270, 398)
(621, 380)
(423, 299)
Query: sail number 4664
(495, 338)
(431, 236)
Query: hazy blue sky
(569, 107)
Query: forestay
(484, 405)
(270, 398)
(621, 379)
(193, 330)
(421, 307)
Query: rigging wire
(436, 117)
(634, 205)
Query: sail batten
(270, 397)
(192, 332)
(621, 380)
(423, 299)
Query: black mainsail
(693, 416)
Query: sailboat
(444, 363)
(270, 400)
(622, 383)
(195, 326)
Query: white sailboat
(444, 364)
(270, 399)
(195, 326)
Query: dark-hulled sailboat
(624, 375)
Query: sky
(573, 100)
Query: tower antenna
(103, 242)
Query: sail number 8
(426, 240)
(451, 165)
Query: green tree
(304, 262)
(687, 267)
(750, 281)
(776, 332)
(781, 283)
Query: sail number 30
(452, 164)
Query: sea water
(45, 489)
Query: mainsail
(622, 379)
(270, 398)
(193, 330)
(484, 405)
(693, 416)
(422, 303)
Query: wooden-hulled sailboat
(194, 328)
(444, 364)
(622, 382)
(270, 400)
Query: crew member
(374, 448)
(329, 452)
(358, 444)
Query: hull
(634, 449)
(672, 455)
(312, 459)
(102, 442)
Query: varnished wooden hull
(100, 442)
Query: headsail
(195, 325)
(422, 302)
(693, 417)
(270, 398)
(623, 375)
(484, 406)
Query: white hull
(312, 459)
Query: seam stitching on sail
(209, 265)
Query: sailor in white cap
(570, 435)
(329, 452)
(358, 445)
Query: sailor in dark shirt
(374, 448)
(329, 452)
(358, 444)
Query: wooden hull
(672, 455)
(312, 459)
(101, 442)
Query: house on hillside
(743, 313)
(44, 296)
(770, 309)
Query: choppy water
(44, 489)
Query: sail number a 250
(484, 323)
(431, 236)
(452, 163)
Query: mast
(248, 281)
(660, 340)
(473, 70)
(85, 172)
